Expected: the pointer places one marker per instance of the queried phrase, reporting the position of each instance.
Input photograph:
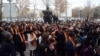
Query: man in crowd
(7, 47)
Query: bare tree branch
(22, 7)
(60, 5)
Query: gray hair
(6, 35)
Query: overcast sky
(73, 3)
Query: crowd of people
(70, 38)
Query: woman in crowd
(32, 42)
(19, 40)
(42, 48)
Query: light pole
(10, 8)
(0, 9)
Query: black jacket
(7, 49)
